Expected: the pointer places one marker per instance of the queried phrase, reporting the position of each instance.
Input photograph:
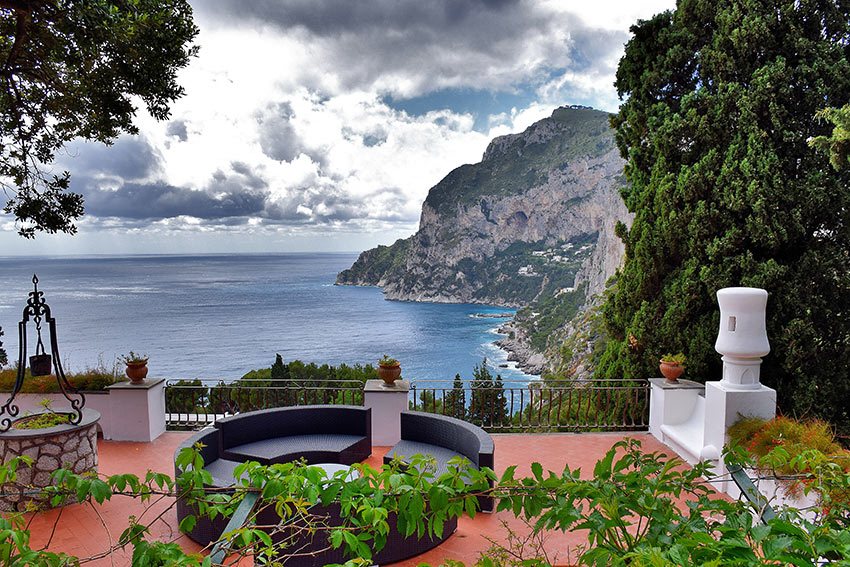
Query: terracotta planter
(671, 371)
(389, 374)
(137, 371)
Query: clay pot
(137, 371)
(671, 371)
(389, 373)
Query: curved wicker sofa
(319, 434)
(444, 437)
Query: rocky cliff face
(533, 219)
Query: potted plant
(672, 366)
(137, 366)
(389, 369)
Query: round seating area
(326, 434)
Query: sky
(319, 125)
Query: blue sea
(220, 316)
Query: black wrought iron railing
(192, 404)
(552, 406)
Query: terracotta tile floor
(85, 530)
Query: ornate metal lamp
(40, 362)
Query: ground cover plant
(792, 452)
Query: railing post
(138, 410)
(387, 403)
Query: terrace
(88, 529)
(550, 424)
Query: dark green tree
(720, 99)
(279, 370)
(3, 360)
(488, 405)
(837, 145)
(71, 69)
(454, 404)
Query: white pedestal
(723, 407)
(138, 410)
(386, 403)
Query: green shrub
(759, 437)
(89, 380)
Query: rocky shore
(516, 344)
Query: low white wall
(128, 412)
(31, 403)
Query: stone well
(73, 447)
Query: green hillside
(522, 164)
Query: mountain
(531, 225)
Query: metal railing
(550, 406)
(193, 404)
(553, 406)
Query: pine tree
(489, 405)
(280, 371)
(454, 404)
(720, 99)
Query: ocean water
(219, 316)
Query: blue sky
(315, 125)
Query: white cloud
(285, 130)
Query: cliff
(532, 224)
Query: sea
(219, 316)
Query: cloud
(177, 128)
(407, 48)
(130, 157)
(331, 119)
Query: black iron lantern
(40, 362)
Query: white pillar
(387, 403)
(138, 410)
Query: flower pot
(40, 365)
(137, 371)
(671, 371)
(389, 373)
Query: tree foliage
(454, 404)
(720, 102)
(489, 406)
(72, 69)
(836, 145)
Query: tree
(279, 370)
(720, 99)
(489, 405)
(454, 404)
(70, 69)
(838, 144)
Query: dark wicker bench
(444, 437)
(318, 434)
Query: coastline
(518, 347)
(516, 344)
